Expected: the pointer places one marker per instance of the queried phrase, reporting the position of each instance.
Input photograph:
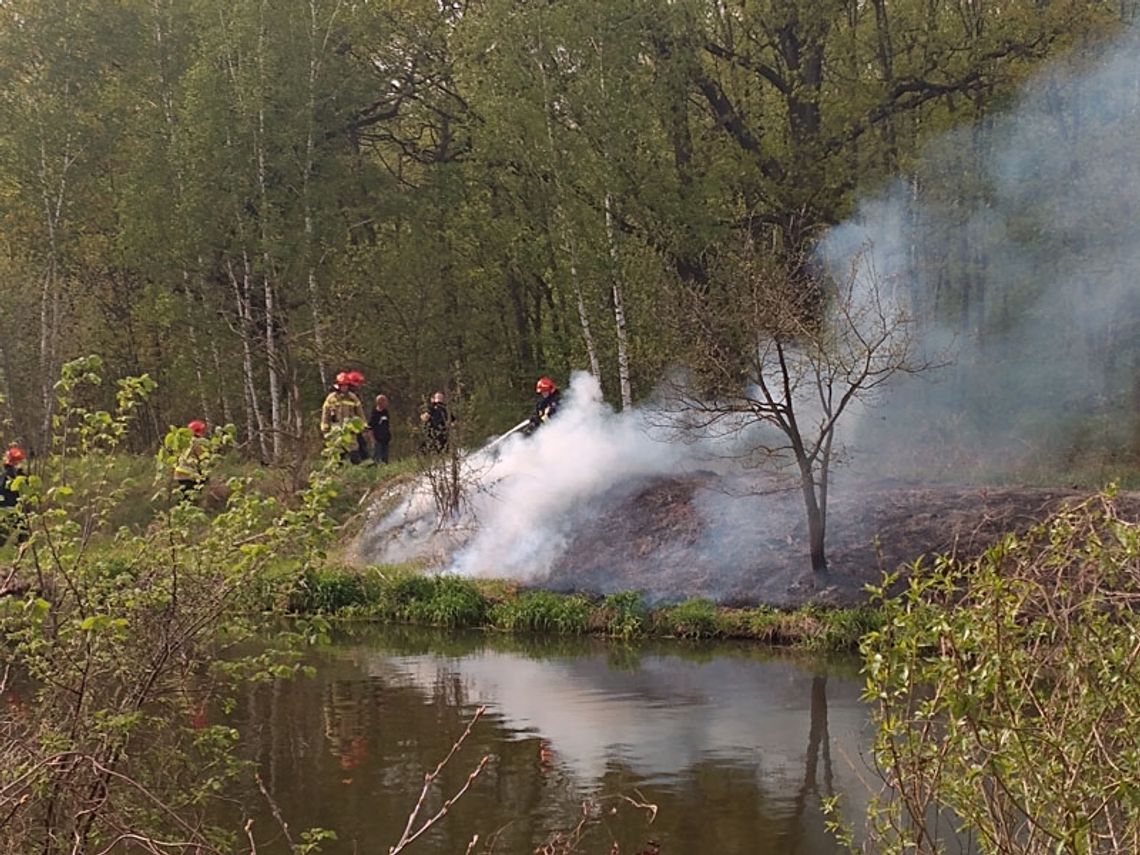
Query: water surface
(734, 745)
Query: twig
(249, 835)
(408, 836)
(276, 811)
(642, 805)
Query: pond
(680, 747)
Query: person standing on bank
(547, 404)
(436, 424)
(381, 429)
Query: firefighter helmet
(197, 427)
(545, 386)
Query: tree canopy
(242, 198)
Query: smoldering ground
(527, 498)
(602, 502)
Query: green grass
(403, 595)
(542, 611)
(691, 619)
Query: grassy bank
(400, 595)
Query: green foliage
(622, 615)
(176, 595)
(409, 589)
(407, 596)
(322, 590)
(450, 602)
(832, 629)
(542, 611)
(691, 619)
(1006, 692)
(190, 192)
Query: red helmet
(14, 455)
(545, 386)
(197, 427)
(343, 379)
(355, 378)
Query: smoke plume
(528, 495)
(1017, 240)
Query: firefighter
(547, 404)
(436, 423)
(341, 406)
(11, 517)
(190, 468)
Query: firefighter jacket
(338, 409)
(545, 408)
(191, 464)
(8, 494)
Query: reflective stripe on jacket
(191, 462)
(339, 408)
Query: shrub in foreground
(1007, 691)
(125, 641)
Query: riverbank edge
(400, 594)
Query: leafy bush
(691, 619)
(408, 589)
(844, 629)
(622, 615)
(450, 602)
(543, 611)
(325, 591)
(122, 630)
(1007, 691)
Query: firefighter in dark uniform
(547, 404)
(436, 424)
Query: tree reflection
(711, 743)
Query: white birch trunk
(619, 310)
(254, 424)
(272, 359)
(564, 228)
(620, 328)
(53, 198)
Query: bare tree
(779, 351)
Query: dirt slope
(740, 541)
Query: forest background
(243, 198)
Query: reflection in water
(736, 747)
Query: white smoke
(527, 496)
(1018, 239)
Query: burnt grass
(742, 540)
